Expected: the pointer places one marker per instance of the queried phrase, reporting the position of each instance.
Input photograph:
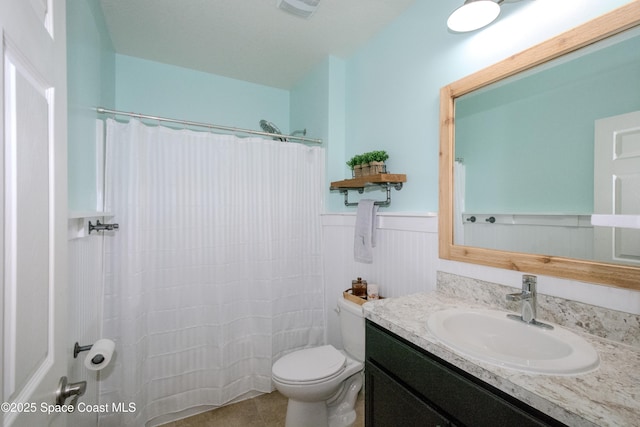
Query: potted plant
(354, 164)
(364, 162)
(376, 161)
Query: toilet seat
(310, 365)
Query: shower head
(271, 128)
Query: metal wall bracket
(102, 227)
(384, 203)
(383, 181)
(77, 348)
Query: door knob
(66, 390)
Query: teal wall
(91, 83)
(393, 82)
(528, 146)
(318, 104)
(385, 96)
(158, 89)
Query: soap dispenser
(359, 287)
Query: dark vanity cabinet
(407, 386)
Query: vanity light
(473, 14)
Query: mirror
(526, 166)
(522, 174)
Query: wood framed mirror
(600, 29)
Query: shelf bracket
(384, 203)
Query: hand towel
(365, 233)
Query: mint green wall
(385, 96)
(91, 82)
(318, 104)
(528, 146)
(393, 82)
(158, 89)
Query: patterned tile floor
(267, 410)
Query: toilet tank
(352, 328)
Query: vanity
(414, 379)
(407, 385)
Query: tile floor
(267, 410)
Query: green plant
(366, 158)
(354, 161)
(378, 156)
(371, 156)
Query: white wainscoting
(405, 259)
(84, 308)
(405, 262)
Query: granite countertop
(609, 396)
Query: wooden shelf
(382, 180)
(363, 181)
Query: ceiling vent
(301, 8)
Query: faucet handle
(529, 282)
(514, 297)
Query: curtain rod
(102, 110)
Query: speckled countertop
(610, 396)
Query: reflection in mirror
(545, 139)
(525, 150)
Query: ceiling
(250, 40)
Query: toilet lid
(310, 364)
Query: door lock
(66, 390)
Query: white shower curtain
(215, 271)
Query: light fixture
(301, 8)
(473, 14)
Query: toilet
(322, 383)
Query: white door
(617, 185)
(33, 211)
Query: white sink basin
(491, 337)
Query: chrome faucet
(529, 299)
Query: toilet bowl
(322, 383)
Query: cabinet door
(463, 399)
(389, 404)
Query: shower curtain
(215, 270)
